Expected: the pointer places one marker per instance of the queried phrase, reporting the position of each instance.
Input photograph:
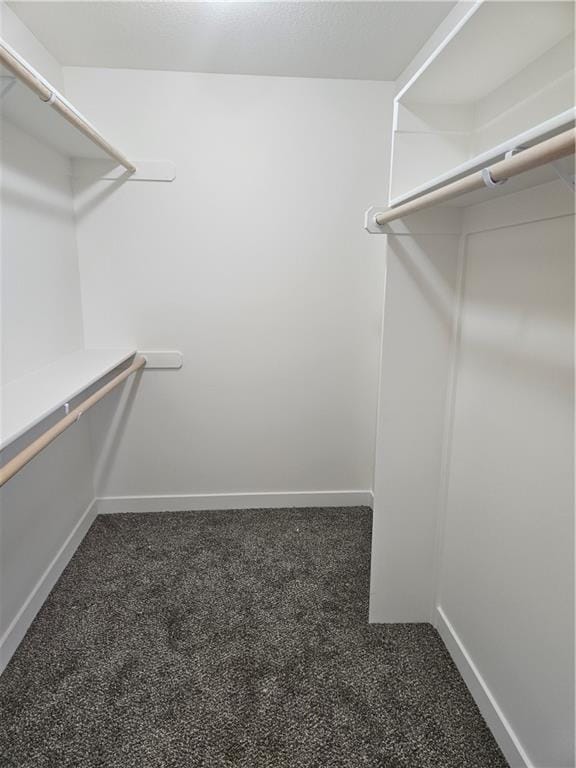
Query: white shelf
(528, 138)
(21, 107)
(496, 42)
(25, 402)
(503, 77)
(18, 107)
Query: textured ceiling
(361, 40)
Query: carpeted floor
(216, 639)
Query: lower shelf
(26, 401)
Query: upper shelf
(26, 401)
(36, 106)
(503, 78)
(496, 42)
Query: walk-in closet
(287, 384)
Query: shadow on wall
(84, 203)
(108, 421)
(435, 285)
(524, 362)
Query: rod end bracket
(370, 224)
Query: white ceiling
(360, 40)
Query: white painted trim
(13, 636)
(392, 143)
(449, 418)
(439, 48)
(501, 729)
(110, 505)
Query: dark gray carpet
(240, 638)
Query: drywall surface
(39, 509)
(253, 263)
(41, 320)
(507, 564)
(416, 347)
(41, 312)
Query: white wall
(474, 501)
(41, 320)
(254, 264)
(416, 347)
(507, 567)
(277, 309)
(41, 311)
(473, 507)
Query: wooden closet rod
(547, 151)
(26, 455)
(33, 80)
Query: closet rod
(32, 450)
(33, 80)
(547, 151)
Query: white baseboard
(487, 704)
(183, 503)
(12, 637)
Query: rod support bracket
(370, 224)
(487, 176)
(489, 181)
